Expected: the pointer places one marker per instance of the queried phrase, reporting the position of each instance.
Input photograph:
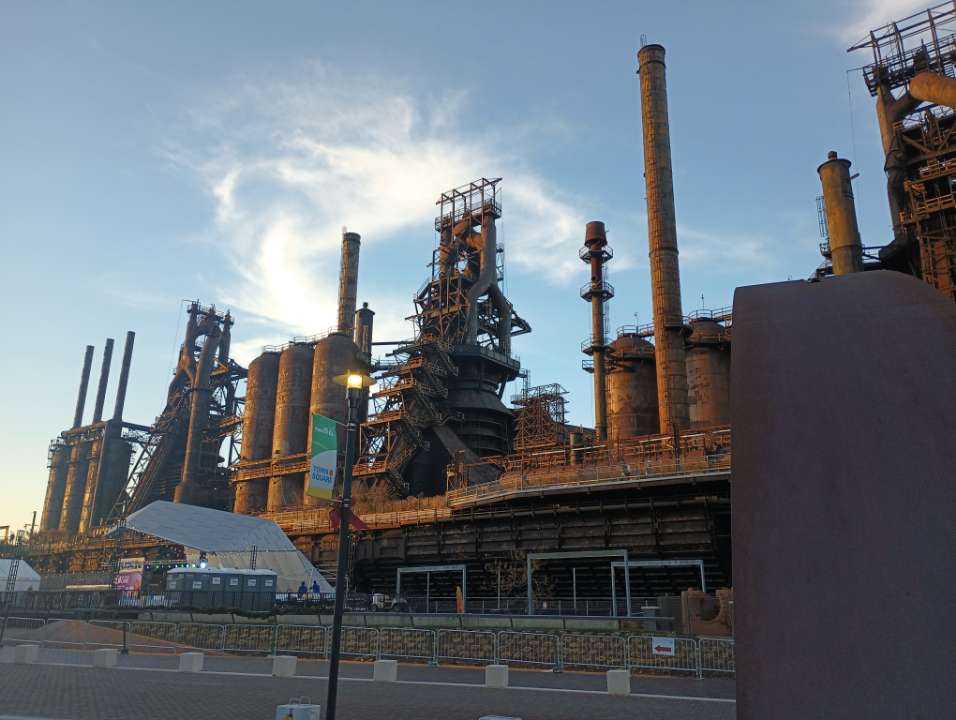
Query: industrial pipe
(104, 380)
(487, 272)
(124, 377)
(188, 490)
(934, 88)
(84, 383)
(364, 319)
(846, 248)
(348, 281)
(226, 340)
(662, 241)
(597, 293)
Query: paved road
(233, 689)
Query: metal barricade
(202, 635)
(22, 628)
(526, 648)
(167, 632)
(644, 655)
(717, 655)
(357, 641)
(249, 638)
(406, 643)
(593, 651)
(467, 646)
(309, 640)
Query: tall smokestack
(364, 319)
(846, 248)
(124, 376)
(595, 253)
(104, 380)
(348, 281)
(662, 241)
(84, 383)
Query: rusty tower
(439, 399)
(911, 77)
(597, 292)
(662, 241)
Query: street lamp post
(354, 382)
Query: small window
(217, 581)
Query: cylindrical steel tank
(662, 241)
(258, 421)
(708, 373)
(291, 428)
(631, 388)
(334, 355)
(846, 248)
(75, 487)
(112, 478)
(56, 487)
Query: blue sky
(176, 150)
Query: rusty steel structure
(597, 292)
(287, 386)
(631, 386)
(844, 246)
(101, 471)
(911, 77)
(439, 399)
(455, 475)
(540, 417)
(662, 240)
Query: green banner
(324, 457)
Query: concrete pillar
(662, 242)
(496, 676)
(846, 248)
(385, 671)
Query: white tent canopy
(27, 577)
(228, 540)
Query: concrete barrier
(496, 676)
(105, 657)
(284, 665)
(299, 712)
(618, 682)
(385, 671)
(26, 654)
(191, 662)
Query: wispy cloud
(288, 162)
(870, 14)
